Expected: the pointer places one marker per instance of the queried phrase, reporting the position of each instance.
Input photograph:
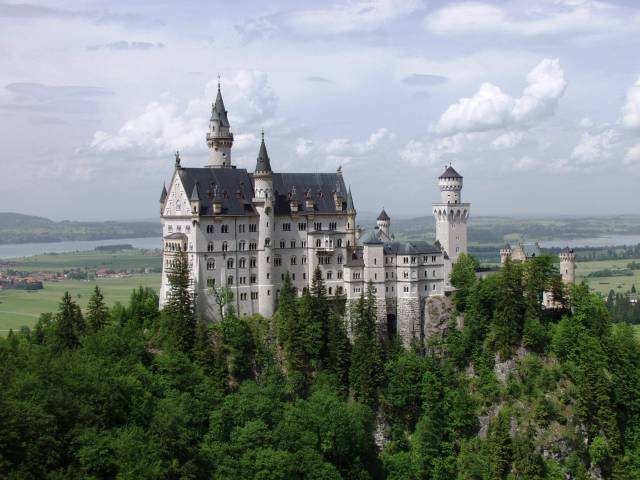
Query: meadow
(604, 284)
(22, 308)
(91, 260)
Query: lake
(607, 241)
(31, 249)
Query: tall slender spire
(195, 194)
(219, 137)
(263, 164)
(350, 206)
(163, 195)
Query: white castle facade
(246, 230)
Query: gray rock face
(437, 313)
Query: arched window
(318, 243)
(303, 260)
(293, 260)
(241, 246)
(242, 263)
(211, 264)
(230, 280)
(339, 243)
(225, 246)
(210, 247)
(230, 263)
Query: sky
(535, 103)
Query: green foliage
(180, 306)
(69, 324)
(97, 311)
(463, 277)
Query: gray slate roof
(318, 186)
(350, 207)
(163, 195)
(263, 164)
(383, 216)
(234, 188)
(450, 172)
(531, 250)
(410, 248)
(195, 195)
(218, 112)
(372, 237)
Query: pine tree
(508, 316)
(181, 303)
(339, 350)
(290, 328)
(69, 323)
(97, 311)
(500, 447)
(320, 309)
(463, 277)
(366, 373)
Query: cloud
(39, 12)
(552, 18)
(419, 152)
(507, 140)
(255, 29)
(360, 16)
(423, 79)
(594, 148)
(165, 126)
(490, 108)
(632, 156)
(631, 109)
(304, 147)
(318, 79)
(586, 122)
(124, 45)
(66, 99)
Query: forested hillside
(18, 228)
(516, 392)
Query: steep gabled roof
(450, 172)
(318, 187)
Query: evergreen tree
(463, 277)
(320, 312)
(366, 373)
(508, 316)
(97, 311)
(500, 447)
(339, 350)
(181, 303)
(290, 327)
(70, 325)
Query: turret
(568, 265)
(450, 183)
(195, 200)
(384, 222)
(263, 175)
(219, 136)
(338, 194)
(163, 199)
(352, 228)
(505, 252)
(216, 205)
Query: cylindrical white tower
(219, 136)
(568, 265)
(384, 222)
(505, 252)
(450, 186)
(263, 201)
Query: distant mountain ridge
(20, 228)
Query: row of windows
(243, 296)
(414, 260)
(242, 246)
(224, 228)
(187, 228)
(242, 263)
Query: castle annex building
(246, 230)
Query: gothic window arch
(225, 246)
(230, 263)
(210, 247)
(242, 263)
(211, 264)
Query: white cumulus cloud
(631, 109)
(594, 148)
(507, 140)
(632, 156)
(491, 109)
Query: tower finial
(177, 158)
(262, 133)
(219, 76)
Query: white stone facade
(246, 230)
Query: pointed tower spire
(195, 194)
(350, 207)
(219, 137)
(163, 195)
(263, 164)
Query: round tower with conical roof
(384, 223)
(219, 136)
(451, 214)
(568, 265)
(264, 203)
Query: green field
(605, 284)
(19, 307)
(118, 261)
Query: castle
(246, 230)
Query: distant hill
(19, 228)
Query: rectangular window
(253, 227)
(286, 227)
(224, 228)
(302, 226)
(253, 279)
